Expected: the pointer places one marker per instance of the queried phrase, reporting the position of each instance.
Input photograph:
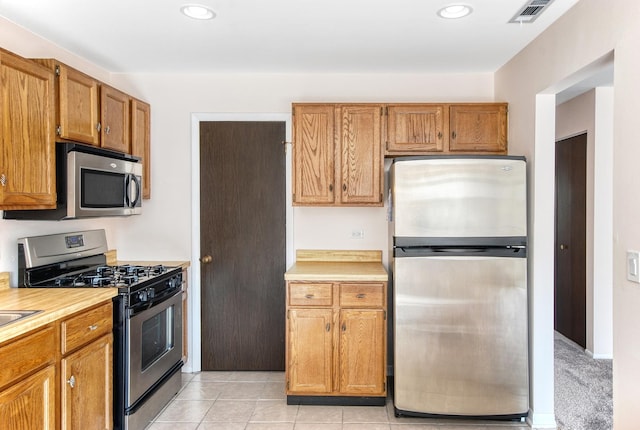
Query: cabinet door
(78, 106)
(27, 144)
(30, 403)
(362, 352)
(360, 154)
(313, 154)
(478, 128)
(114, 112)
(310, 351)
(141, 141)
(86, 387)
(415, 128)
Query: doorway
(570, 239)
(242, 244)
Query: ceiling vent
(530, 11)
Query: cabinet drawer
(84, 327)
(362, 295)
(27, 354)
(310, 294)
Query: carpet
(583, 389)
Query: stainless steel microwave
(91, 182)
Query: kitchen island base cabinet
(336, 343)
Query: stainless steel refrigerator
(459, 234)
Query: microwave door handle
(132, 202)
(127, 181)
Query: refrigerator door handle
(479, 251)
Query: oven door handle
(158, 300)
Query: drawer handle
(72, 381)
(309, 296)
(93, 327)
(328, 327)
(361, 296)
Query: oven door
(154, 343)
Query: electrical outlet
(633, 269)
(357, 234)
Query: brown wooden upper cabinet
(27, 130)
(114, 114)
(141, 140)
(415, 128)
(478, 128)
(77, 104)
(89, 111)
(337, 154)
(465, 128)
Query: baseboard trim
(541, 421)
(599, 356)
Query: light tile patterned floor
(256, 401)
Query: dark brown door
(242, 229)
(570, 240)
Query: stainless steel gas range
(147, 316)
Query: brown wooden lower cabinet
(87, 386)
(35, 395)
(336, 343)
(30, 403)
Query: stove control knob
(143, 296)
(173, 283)
(151, 292)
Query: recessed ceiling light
(455, 11)
(197, 11)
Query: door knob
(206, 259)
(563, 246)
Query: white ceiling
(284, 36)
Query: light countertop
(329, 265)
(55, 303)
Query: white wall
(589, 32)
(575, 117)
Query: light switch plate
(633, 266)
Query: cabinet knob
(439, 135)
(93, 327)
(3, 180)
(328, 327)
(331, 187)
(98, 126)
(344, 187)
(107, 130)
(308, 296)
(344, 326)
(453, 134)
(361, 296)
(71, 381)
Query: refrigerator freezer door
(459, 197)
(461, 336)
